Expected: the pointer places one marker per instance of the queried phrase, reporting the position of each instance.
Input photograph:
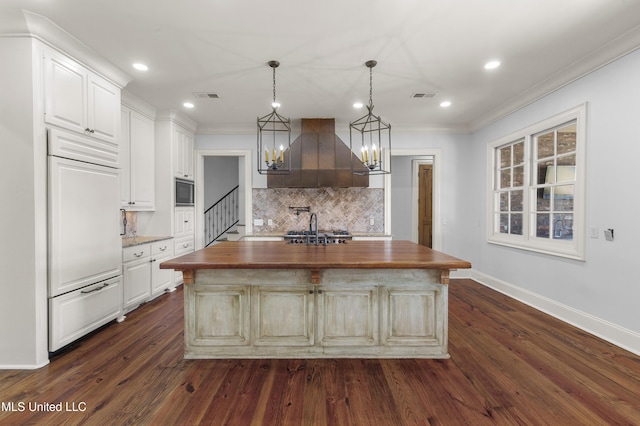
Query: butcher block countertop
(279, 255)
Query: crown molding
(595, 60)
(49, 33)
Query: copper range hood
(319, 158)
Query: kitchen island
(268, 299)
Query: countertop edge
(139, 240)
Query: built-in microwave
(184, 192)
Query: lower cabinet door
(283, 315)
(137, 282)
(347, 316)
(161, 279)
(414, 315)
(217, 315)
(74, 314)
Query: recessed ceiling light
(491, 65)
(445, 104)
(358, 105)
(188, 105)
(140, 67)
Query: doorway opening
(211, 170)
(414, 196)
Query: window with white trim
(536, 186)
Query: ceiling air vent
(206, 95)
(422, 95)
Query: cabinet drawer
(162, 248)
(136, 252)
(184, 245)
(75, 314)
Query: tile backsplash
(352, 209)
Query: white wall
(23, 291)
(603, 291)
(220, 177)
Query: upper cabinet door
(79, 100)
(65, 95)
(103, 115)
(183, 153)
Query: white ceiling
(439, 46)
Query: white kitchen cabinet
(136, 268)
(143, 278)
(137, 160)
(183, 153)
(74, 314)
(185, 222)
(184, 236)
(84, 248)
(77, 99)
(161, 279)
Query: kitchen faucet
(313, 220)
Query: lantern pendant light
(370, 139)
(274, 137)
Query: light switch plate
(258, 222)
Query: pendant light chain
(274, 86)
(371, 87)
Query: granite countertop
(137, 240)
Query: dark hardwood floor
(510, 365)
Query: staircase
(221, 220)
(236, 233)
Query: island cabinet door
(217, 315)
(347, 316)
(283, 315)
(413, 315)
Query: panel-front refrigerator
(85, 247)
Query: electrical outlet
(270, 222)
(594, 232)
(372, 221)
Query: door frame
(437, 162)
(247, 176)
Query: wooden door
(425, 204)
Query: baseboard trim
(612, 333)
(23, 367)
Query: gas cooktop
(324, 237)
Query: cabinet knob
(319, 291)
(310, 291)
